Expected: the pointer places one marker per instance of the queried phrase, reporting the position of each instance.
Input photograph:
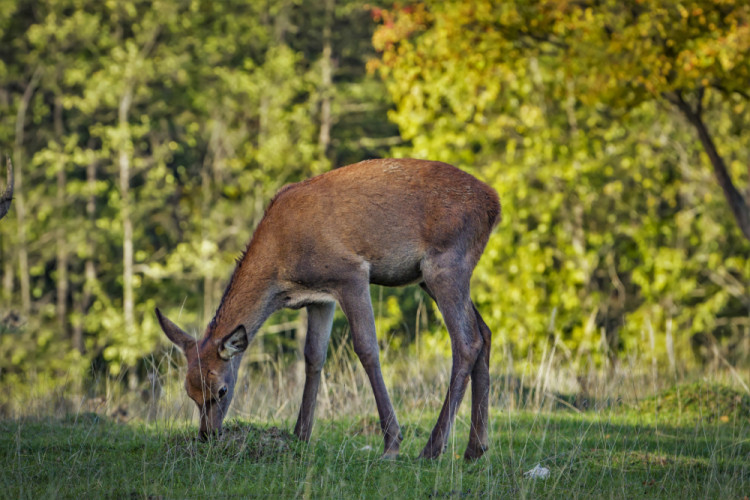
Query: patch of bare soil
(238, 441)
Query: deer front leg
(357, 306)
(319, 323)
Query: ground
(685, 442)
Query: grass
(687, 441)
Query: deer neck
(250, 298)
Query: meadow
(628, 436)
(148, 138)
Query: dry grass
(269, 390)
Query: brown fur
(389, 222)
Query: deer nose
(222, 391)
(205, 435)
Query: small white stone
(538, 472)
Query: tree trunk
(125, 211)
(89, 269)
(60, 239)
(326, 82)
(737, 202)
(7, 195)
(282, 25)
(8, 275)
(124, 152)
(20, 196)
(206, 201)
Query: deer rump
(324, 240)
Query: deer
(322, 241)
(7, 196)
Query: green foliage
(179, 120)
(615, 239)
(169, 125)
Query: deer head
(211, 372)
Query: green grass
(687, 442)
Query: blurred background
(147, 138)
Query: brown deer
(7, 196)
(324, 240)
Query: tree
(608, 224)
(147, 138)
(675, 52)
(621, 54)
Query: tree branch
(737, 203)
(727, 91)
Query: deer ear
(175, 333)
(233, 344)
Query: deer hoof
(431, 451)
(474, 452)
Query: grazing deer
(7, 196)
(324, 240)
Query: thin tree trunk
(7, 258)
(281, 21)
(123, 112)
(6, 197)
(89, 268)
(7, 275)
(60, 239)
(20, 195)
(737, 203)
(206, 200)
(263, 119)
(127, 223)
(326, 82)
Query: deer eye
(222, 391)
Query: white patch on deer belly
(301, 298)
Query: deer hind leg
(480, 390)
(357, 306)
(480, 394)
(319, 323)
(448, 284)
